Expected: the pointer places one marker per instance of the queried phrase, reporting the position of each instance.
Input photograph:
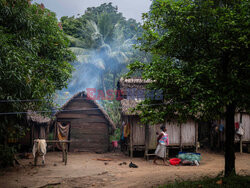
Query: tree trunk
(114, 78)
(229, 144)
(103, 84)
(146, 140)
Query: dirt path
(83, 170)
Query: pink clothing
(164, 139)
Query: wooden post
(211, 137)
(66, 156)
(55, 134)
(131, 136)
(240, 136)
(180, 138)
(68, 146)
(146, 140)
(196, 136)
(240, 144)
(32, 137)
(167, 152)
(108, 137)
(63, 152)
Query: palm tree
(108, 57)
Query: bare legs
(155, 160)
(163, 159)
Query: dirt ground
(84, 170)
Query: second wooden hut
(144, 137)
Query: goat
(39, 149)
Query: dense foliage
(33, 62)
(201, 63)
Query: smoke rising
(99, 65)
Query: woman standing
(162, 142)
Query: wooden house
(144, 137)
(242, 119)
(244, 122)
(85, 123)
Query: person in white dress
(162, 142)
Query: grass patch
(232, 181)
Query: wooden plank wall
(187, 133)
(246, 127)
(138, 131)
(89, 128)
(173, 131)
(153, 136)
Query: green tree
(102, 39)
(200, 62)
(33, 62)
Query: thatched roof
(133, 83)
(38, 118)
(130, 103)
(84, 95)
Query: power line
(87, 109)
(29, 100)
(136, 96)
(44, 111)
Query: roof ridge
(93, 102)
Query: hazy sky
(129, 8)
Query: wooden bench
(147, 155)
